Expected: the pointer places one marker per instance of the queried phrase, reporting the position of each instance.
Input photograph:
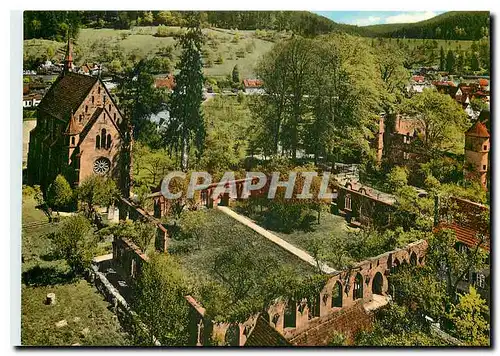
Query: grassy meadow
(88, 321)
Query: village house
(31, 100)
(253, 86)
(79, 130)
(467, 220)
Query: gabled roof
(73, 128)
(466, 235)
(66, 94)
(263, 334)
(478, 130)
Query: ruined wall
(129, 256)
(347, 321)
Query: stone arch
(108, 142)
(337, 295)
(357, 291)
(378, 283)
(413, 259)
(103, 138)
(232, 336)
(389, 261)
(290, 315)
(314, 307)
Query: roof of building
(263, 334)
(478, 130)
(166, 82)
(466, 235)
(418, 78)
(73, 127)
(252, 83)
(66, 94)
(483, 82)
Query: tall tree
(450, 61)
(236, 74)
(160, 303)
(186, 126)
(441, 120)
(442, 60)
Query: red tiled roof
(478, 130)
(418, 78)
(483, 82)
(465, 235)
(167, 82)
(252, 83)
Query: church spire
(68, 59)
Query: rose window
(102, 166)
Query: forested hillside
(54, 24)
(454, 25)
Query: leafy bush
(75, 241)
(59, 194)
(159, 301)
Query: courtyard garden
(80, 315)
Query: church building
(80, 131)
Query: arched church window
(103, 138)
(86, 108)
(98, 142)
(98, 90)
(108, 142)
(92, 99)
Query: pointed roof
(73, 127)
(263, 334)
(66, 94)
(478, 130)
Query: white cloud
(410, 17)
(371, 20)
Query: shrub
(397, 178)
(75, 242)
(59, 194)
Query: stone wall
(347, 321)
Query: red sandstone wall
(89, 152)
(348, 321)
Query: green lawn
(89, 322)
(329, 225)
(224, 230)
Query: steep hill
(453, 25)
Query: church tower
(68, 58)
(477, 147)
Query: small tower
(73, 132)
(477, 147)
(68, 59)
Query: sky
(365, 18)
